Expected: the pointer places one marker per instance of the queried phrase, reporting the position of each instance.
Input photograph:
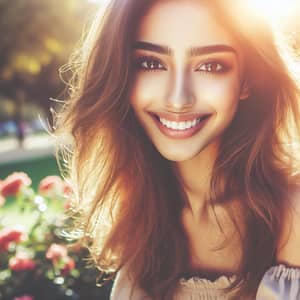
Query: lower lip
(180, 134)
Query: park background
(37, 38)
(37, 262)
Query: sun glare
(274, 10)
(98, 1)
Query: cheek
(222, 94)
(146, 90)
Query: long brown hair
(129, 198)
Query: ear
(245, 91)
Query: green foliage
(36, 39)
(35, 257)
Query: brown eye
(213, 67)
(149, 63)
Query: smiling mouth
(182, 125)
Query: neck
(195, 177)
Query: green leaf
(5, 275)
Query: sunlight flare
(274, 10)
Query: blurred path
(34, 146)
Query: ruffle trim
(275, 272)
(202, 283)
(283, 272)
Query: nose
(180, 97)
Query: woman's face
(188, 78)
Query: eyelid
(225, 66)
(143, 58)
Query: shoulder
(289, 241)
(124, 288)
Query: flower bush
(36, 261)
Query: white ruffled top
(278, 283)
(196, 288)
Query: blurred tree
(36, 38)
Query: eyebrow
(194, 51)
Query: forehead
(183, 24)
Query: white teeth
(179, 125)
(173, 125)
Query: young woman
(184, 153)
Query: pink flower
(59, 256)
(21, 262)
(69, 203)
(69, 265)
(68, 195)
(24, 297)
(67, 188)
(2, 199)
(51, 186)
(12, 184)
(9, 235)
(55, 252)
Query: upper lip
(180, 117)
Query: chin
(178, 156)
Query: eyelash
(142, 59)
(218, 66)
